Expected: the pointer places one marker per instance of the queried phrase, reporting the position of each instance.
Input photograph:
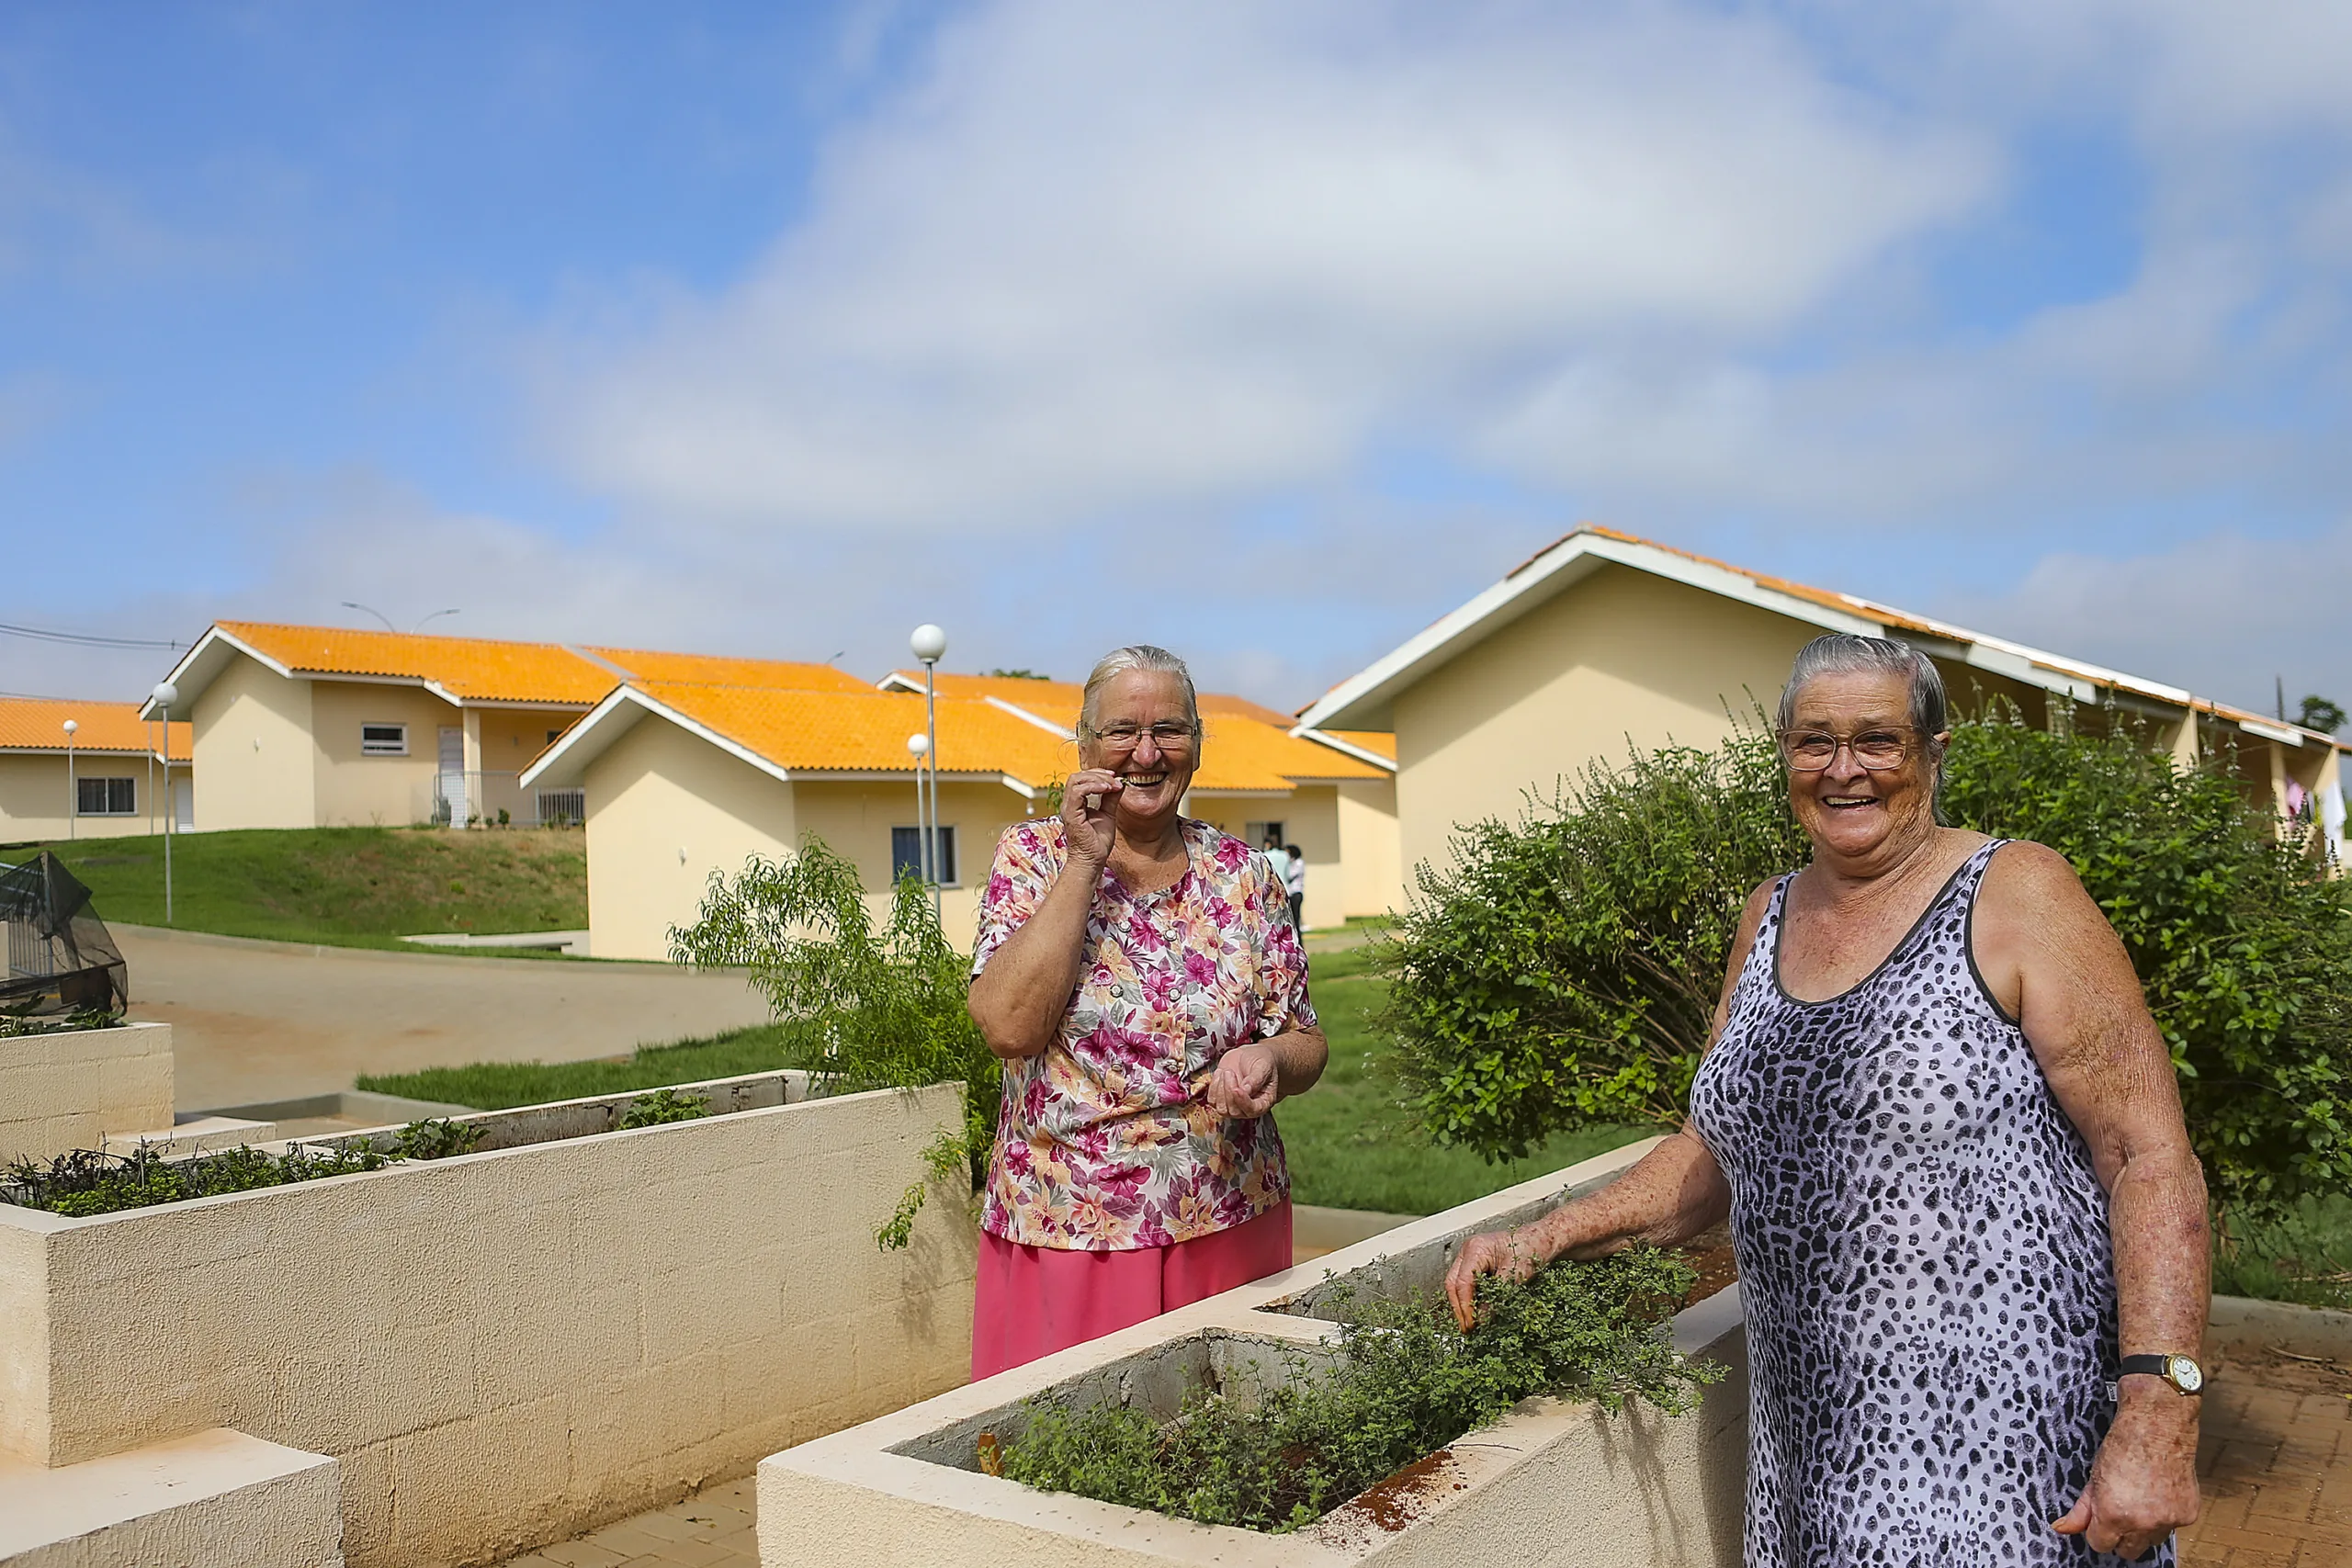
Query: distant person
(1136, 975)
(1294, 882)
(1273, 847)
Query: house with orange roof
(303, 726)
(682, 779)
(1604, 642)
(102, 780)
(1260, 775)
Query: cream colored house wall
(506, 1347)
(1622, 656)
(253, 751)
(855, 818)
(354, 790)
(665, 809)
(1371, 872)
(35, 795)
(1310, 818)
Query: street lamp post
(72, 789)
(928, 644)
(164, 696)
(919, 747)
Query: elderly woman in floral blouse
(1138, 973)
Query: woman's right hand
(1090, 812)
(1509, 1255)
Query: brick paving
(2276, 1459)
(711, 1530)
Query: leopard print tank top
(1923, 1251)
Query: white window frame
(374, 748)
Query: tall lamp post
(72, 789)
(164, 696)
(919, 747)
(928, 643)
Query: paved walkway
(263, 1021)
(2276, 1462)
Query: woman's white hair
(1135, 656)
(1843, 653)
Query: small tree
(2319, 714)
(859, 1009)
(1564, 973)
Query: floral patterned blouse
(1106, 1143)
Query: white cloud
(2227, 614)
(1106, 257)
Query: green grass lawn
(1350, 1146)
(349, 886)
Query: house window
(906, 852)
(105, 797)
(383, 739)
(1258, 832)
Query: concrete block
(217, 1499)
(1554, 1482)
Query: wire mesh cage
(62, 958)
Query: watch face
(2187, 1375)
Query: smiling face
(1157, 777)
(1854, 814)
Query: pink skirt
(1033, 1300)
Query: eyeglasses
(1811, 750)
(1167, 735)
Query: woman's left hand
(1246, 1084)
(2144, 1481)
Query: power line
(86, 639)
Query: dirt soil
(1710, 1253)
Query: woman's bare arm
(1672, 1194)
(1018, 1000)
(2049, 957)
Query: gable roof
(816, 734)
(1365, 699)
(1250, 748)
(38, 724)
(715, 670)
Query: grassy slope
(350, 886)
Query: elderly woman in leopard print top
(1970, 1229)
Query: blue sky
(1271, 333)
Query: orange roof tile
(474, 668)
(1037, 696)
(38, 724)
(866, 730)
(712, 670)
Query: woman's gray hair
(1136, 655)
(1843, 653)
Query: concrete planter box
(69, 1088)
(1555, 1482)
(509, 1346)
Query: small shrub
(1404, 1382)
(664, 1105)
(435, 1138)
(13, 1027)
(858, 1009)
(85, 1183)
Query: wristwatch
(2181, 1372)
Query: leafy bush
(435, 1138)
(861, 1010)
(1404, 1382)
(85, 1183)
(664, 1105)
(1564, 973)
(2300, 1252)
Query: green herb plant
(1404, 1382)
(664, 1105)
(84, 1182)
(435, 1138)
(856, 1008)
